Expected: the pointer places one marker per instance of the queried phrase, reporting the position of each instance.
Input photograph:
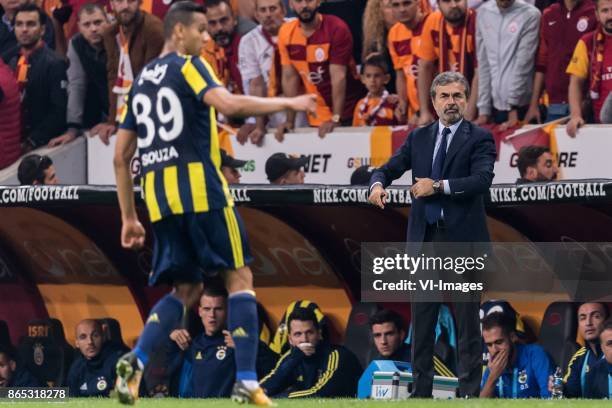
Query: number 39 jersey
(177, 137)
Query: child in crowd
(378, 108)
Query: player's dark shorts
(193, 245)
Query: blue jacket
(333, 371)
(577, 370)
(599, 381)
(95, 377)
(209, 369)
(468, 167)
(527, 378)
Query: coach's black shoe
(129, 373)
(242, 395)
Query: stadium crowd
(300, 361)
(66, 66)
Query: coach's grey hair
(449, 77)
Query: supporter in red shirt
(318, 48)
(591, 68)
(561, 27)
(10, 117)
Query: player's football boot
(241, 394)
(129, 373)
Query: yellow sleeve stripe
(150, 198)
(193, 77)
(332, 366)
(580, 352)
(234, 236)
(171, 188)
(211, 71)
(442, 369)
(271, 373)
(197, 181)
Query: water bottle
(557, 391)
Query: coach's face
(7, 368)
(450, 102)
(591, 317)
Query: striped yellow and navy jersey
(333, 371)
(178, 143)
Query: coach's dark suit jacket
(468, 167)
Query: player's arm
(243, 105)
(132, 232)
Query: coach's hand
(422, 188)
(181, 337)
(378, 196)
(132, 234)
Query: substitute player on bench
(171, 118)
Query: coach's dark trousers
(424, 316)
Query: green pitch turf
(323, 403)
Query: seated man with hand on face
(312, 367)
(514, 370)
(92, 374)
(209, 370)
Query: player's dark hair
(387, 316)
(29, 7)
(90, 8)
(498, 319)
(528, 157)
(214, 289)
(9, 351)
(32, 168)
(603, 305)
(303, 315)
(375, 60)
(180, 13)
(217, 3)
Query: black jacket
(23, 378)
(468, 169)
(45, 97)
(333, 371)
(95, 377)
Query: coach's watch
(437, 186)
(336, 118)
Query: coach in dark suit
(452, 169)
